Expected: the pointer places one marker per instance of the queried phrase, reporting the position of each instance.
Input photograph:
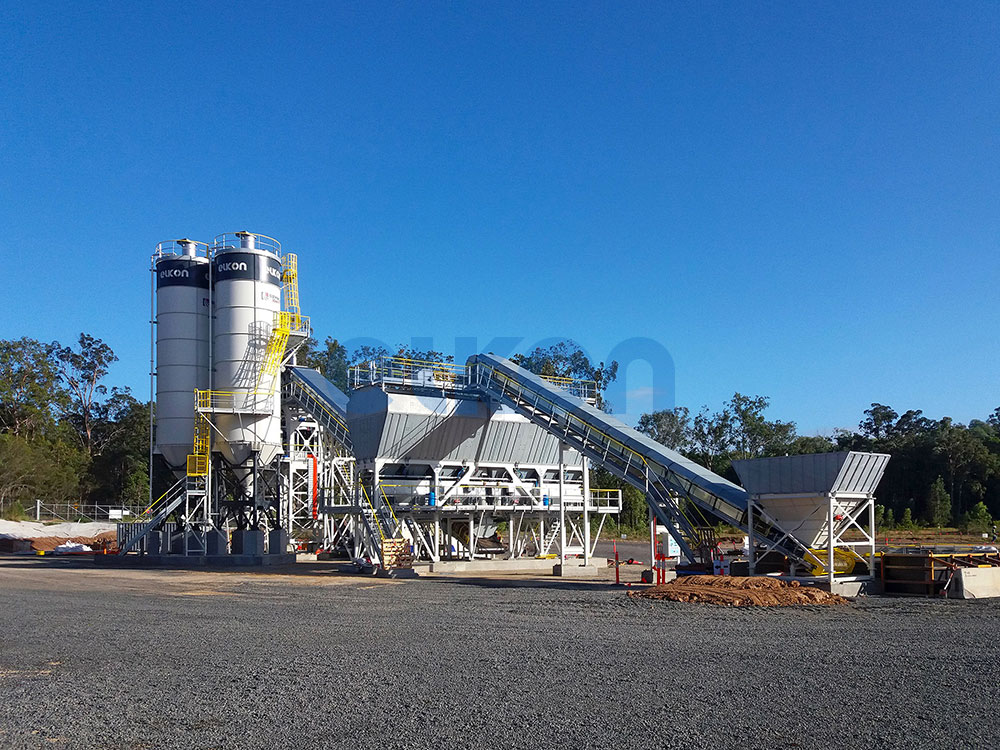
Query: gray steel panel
(861, 472)
(397, 427)
(812, 474)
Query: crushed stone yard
(108, 658)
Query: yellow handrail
(378, 524)
(160, 499)
(385, 497)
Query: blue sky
(793, 199)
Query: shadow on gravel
(51, 561)
(552, 584)
(333, 568)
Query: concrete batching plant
(432, 460)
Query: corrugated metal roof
(813, 474)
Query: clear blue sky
(800, 200)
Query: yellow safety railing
(385, 499)
(197, 460)
(197, 466)
(290, 279)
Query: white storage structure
(182, 319)
(247, 279)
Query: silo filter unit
(247, 295)
(182, 353)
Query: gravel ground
(150, 659)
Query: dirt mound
(106, 540)
(738, 591)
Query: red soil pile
(739, 591)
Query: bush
(977, 520)
(906, 523)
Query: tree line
(66, 437)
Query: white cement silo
(183, 308)
(246, 273)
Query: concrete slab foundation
(576, 569)
(277, 541)
(248, 542)
(851, 588)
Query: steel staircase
(553, 532)
(152, 517)
(381, 526)
(191, 490)
(677, 490)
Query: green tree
(31, 392)
(938, 504)
(566, 359)
(967, 461)
(119, 472)
(906, 522)
(331, 360)
(41, 469)
(994, 418)
(82, 371)
(810, 444)
(668, 427)
(978, 520)
(710, 439)
(878, 422)
(753, 436)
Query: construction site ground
(309, 656)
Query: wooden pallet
(396, 554)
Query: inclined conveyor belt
(665, 476)
(321, 399)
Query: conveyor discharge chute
(666, 477)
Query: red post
(617, 580)
(315, 488)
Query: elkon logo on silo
(234, 265)
(174, 273)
